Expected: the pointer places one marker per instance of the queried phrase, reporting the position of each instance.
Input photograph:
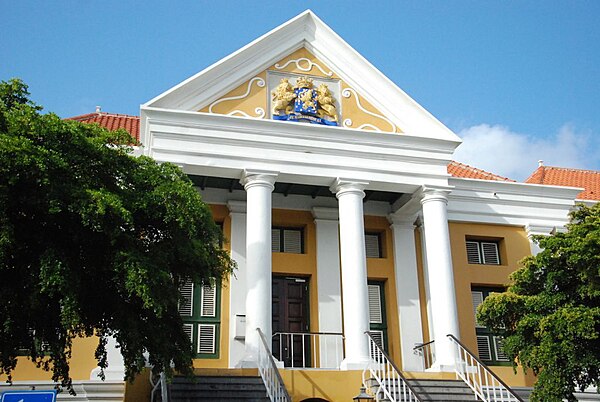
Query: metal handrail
(269, 372)
(162, 384)
(483, 381)
(318, 343)
(389, 377)
(427, 351)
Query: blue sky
(519, 81)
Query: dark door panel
(290, 315)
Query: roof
(557, 176)
(457, 169)
(112, 121)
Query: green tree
(550, 315)
(94, 241)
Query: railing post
(483, 385)
(387, 374)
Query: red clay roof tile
(457, 169)
(112, 121)
(557, 176)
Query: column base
(357, 363)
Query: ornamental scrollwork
(260, 112)
(347, 93)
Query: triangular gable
(306, 31)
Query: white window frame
(481, 252)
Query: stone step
(217, 380)
(217, 388)
(435, 390)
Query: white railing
(486, 385)
(427, 353)
(269, 372)
(389, 379)
(159, 383)
(324, 350)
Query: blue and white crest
(303, 103)
(306, 101)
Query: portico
(369, 160)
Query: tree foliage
(550, 315)
(94, 241)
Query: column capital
(236, 207)
(439, 194)
(262, 178)
(401, 221)
(345, 186)
(326, 214)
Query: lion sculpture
(326, 102)
(283, 95)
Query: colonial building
(346, 214)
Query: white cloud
(499, 150)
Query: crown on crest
(304, 82)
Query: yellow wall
(332, 386)
(514, 245)
(81, 364)
(139, 389)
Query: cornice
(514, 188)
(428, 148)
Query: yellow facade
(81, 363)
(513, 246)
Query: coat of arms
(302, 102)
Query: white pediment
(304, 31)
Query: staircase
(218, 388)
(442, 390)
(426, 390)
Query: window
(489, 345)
(377, 319)
(373, 245)
(41, 346)
(199, 309)
(483, 252)
(287, 240)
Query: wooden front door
(290, 319)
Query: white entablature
(222, 146)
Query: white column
(258, 186)
(407, 290)
(329, 293)
(237, 282)
(440, 276)
(354, 272)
